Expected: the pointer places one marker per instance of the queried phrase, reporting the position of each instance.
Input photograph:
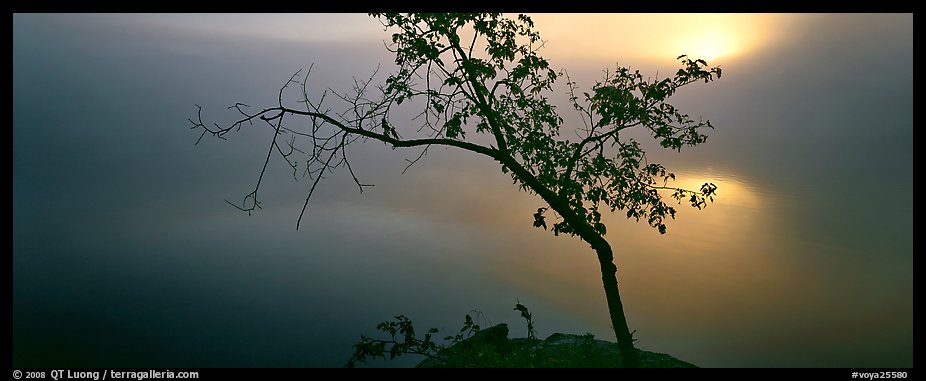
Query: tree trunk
(631, 358)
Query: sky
(125, 252)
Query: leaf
(453, 126)
(539, 219)
(451, 81)
(523, 310)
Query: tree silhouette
(473, 75)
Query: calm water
(125, 253)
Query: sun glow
(658, 37)
(709, 45)
(731, 191)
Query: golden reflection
(718, 251)
(731, 191)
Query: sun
(658, 37)
(709, 45)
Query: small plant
(402, 340)
(531, 333)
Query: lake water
(125, 254)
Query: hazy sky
(125, 253)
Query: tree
(496, 85)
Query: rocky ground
(491, 348)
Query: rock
(491, 348)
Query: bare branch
(315, 184)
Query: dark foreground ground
(491, 348)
